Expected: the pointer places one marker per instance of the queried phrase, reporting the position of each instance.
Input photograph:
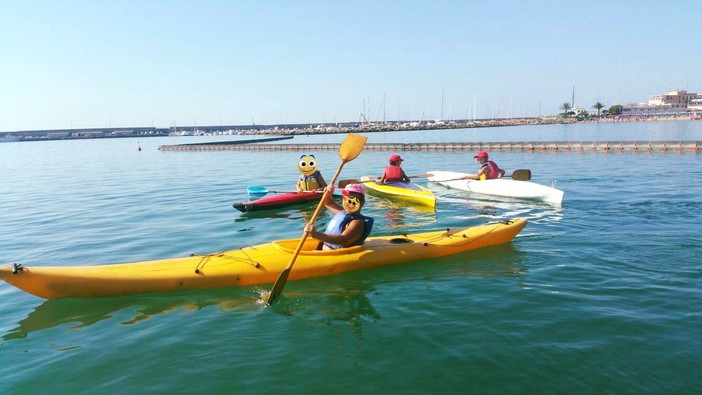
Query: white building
(671, 103)
(677, 99)
(695, 105)
(578, 111)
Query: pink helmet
(358, 188)
(480, 154)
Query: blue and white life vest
(338, 223)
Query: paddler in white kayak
(488, 169)
(348, 227)
(393, 172)
(310, 178)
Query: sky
(128, 63)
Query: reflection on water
(299, 213)
(495, 261)
(340, 304)
(456, 203)
(400, 214)
(345, 297)
(87, 312)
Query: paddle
(519, 175)
(344, 183)
(257, 192)
(260, 191)
(350, 148)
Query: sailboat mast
(384, 107)
(442, 104)
(475, 100)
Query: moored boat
(250, 265)
(506, 187)
(401, 190)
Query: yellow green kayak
(258, 264)
(401, 190)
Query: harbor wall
(550, 146)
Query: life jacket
(309, 183)
(493, 172)
(338, 223)
(393, 173)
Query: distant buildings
(672, 103)
(63, 134)
(695, 105)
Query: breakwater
(550, 146)
(233, 142)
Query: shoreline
(293, 130)
(399, 127)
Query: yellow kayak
(402, 190)
(250, 265)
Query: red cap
(395, 158)
(481, 154)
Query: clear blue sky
(92, 64)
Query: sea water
(600, 295)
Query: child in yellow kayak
(348, 227)
(393, 172)
(310, 178)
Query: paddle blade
(352, 146)
(278, 286)
(256, 190)
(521, 175)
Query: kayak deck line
(251, 265)
(405, 239)
(533, 146)
(223, 254)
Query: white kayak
(500, 187)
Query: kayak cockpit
(310, 247)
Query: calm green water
(601, 295)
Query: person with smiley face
(348, 227)
(310, 178)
